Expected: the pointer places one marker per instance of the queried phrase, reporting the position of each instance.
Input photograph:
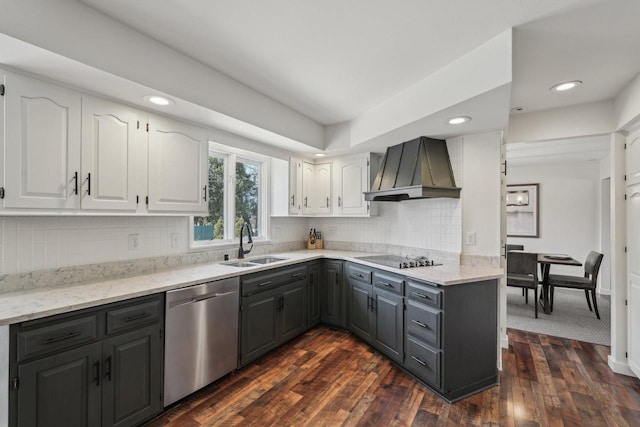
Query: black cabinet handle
(137, 317)
(297, 275)
(62, 338)
(268, 282)
(293, 200)
(205, 193)
(75, 178)
(305, 202)
(422, 325)
(327, 202)
(388, 285)
(96, 369)
(88, 184)
(419, 295)
(108, 373)
(339, 201)
(419, 361)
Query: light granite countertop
(37, 303)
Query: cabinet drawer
(134, 316)
(56, 337)
(423, 362)
(424, 293)
(389, 282)
(360, 273)
(423, 322)
(258, 282)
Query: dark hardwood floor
(328, 377)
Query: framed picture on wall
(523, 210)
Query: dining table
(546, 260)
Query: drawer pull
(419, 295)
(62, 338)
(358, 275)
(268, 282)
(297, 275)
(137, 317)
(419, 361)
(422, 325)
(388, 285)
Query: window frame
(231, 156)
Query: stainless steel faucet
(241, 251)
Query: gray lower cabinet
(451, 338)
(333, 294)
(273, 310)
(315, 280)
(376, 309)
(96, 367)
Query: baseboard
(604, 291)
(620, 367)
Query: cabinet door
(177, 167)
(316, 187)
(315, 277)
(112, 141)
(259, 325)
(295, 186)
(63, 389)
(332, 294)
(292, 310)
(388, 325)
(360, 313)
(132, 377)
(350, 181)
(42, 145)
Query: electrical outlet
(174, 240)
(134, 242)
(470, 238)
(332, 231)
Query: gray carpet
(571, 317)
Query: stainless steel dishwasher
(201, 342)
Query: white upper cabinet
(177, 167)
(295, 186)
(113, 143)
(351, 179)
(316, 187)
(41, 145)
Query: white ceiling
(331, 60)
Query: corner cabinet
(67, 151)
(316, 188)
(95, 367)
(333, 187)
(332, 294)
(177, 167)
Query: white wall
(481, 194)
(569, 209)
(627, 105)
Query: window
(237, 194)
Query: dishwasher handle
(200, 298)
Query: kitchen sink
(254, 262)
(240, 264)
(267, 260)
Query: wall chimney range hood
(416, 169)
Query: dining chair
(588, 282)
(522, 272)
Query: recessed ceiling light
(458, 120)
(320, 155)
(561, 87)
(158, 100)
